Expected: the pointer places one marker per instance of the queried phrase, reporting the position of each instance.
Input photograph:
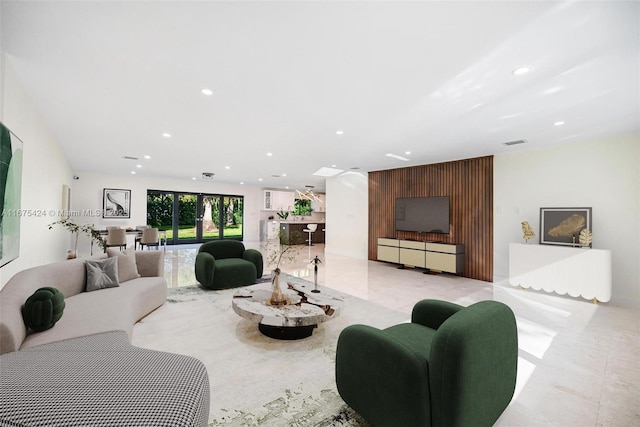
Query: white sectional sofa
(88, 353)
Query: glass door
(232, 217)
(195, 217)
(160, 212)
(210, 207)
(187, 219)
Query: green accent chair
(451, 366)
(222, 264)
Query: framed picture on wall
(116, 203)
(66, 201)
(562, 226)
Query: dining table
(162, 235)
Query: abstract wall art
(10, 193)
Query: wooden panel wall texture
(468, 183)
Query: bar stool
(311, 228)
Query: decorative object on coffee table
(278, 298)
(315, 263)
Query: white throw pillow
(127, 267)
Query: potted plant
(276, 255)
(282, 214)
(76, 229)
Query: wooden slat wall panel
(468, 183)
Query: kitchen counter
(293, 234)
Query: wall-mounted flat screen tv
(423, 214)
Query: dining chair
(150, 237)
(116, 236)
(139, 228)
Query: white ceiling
(432, 78)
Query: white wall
(45, 170)
(87, 192)
(603, 175)
(347, 217)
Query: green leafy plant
(282, 214)
(76, 229)
(281, 251)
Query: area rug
(256, 380)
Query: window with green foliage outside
(302, 207)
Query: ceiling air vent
(207, 175)
(130, 158)
(520, 141)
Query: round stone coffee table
(287, 322)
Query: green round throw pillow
(43, 309)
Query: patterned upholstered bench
(103, 381)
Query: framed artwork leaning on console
(562, 226)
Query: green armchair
(222, 264)
(451, 366)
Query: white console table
(576, 271)
(434, 256)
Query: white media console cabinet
(434, 256)
(564, 270)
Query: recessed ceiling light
(284, 174)
(269, 154)
(407, 152)
(207, 92)
(259, 179)
(166, 135)
(241, 183)
(193, 178)
(520, 71)
(147, 157)
(334, 166)
(138, 166)
(559, 123)
(395, 156)
(227, 167)
(339, 132)
(133, 172)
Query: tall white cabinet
(274, 200)
(574, 271)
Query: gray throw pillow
(102, 274)
(127, 267)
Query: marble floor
(579, 363)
